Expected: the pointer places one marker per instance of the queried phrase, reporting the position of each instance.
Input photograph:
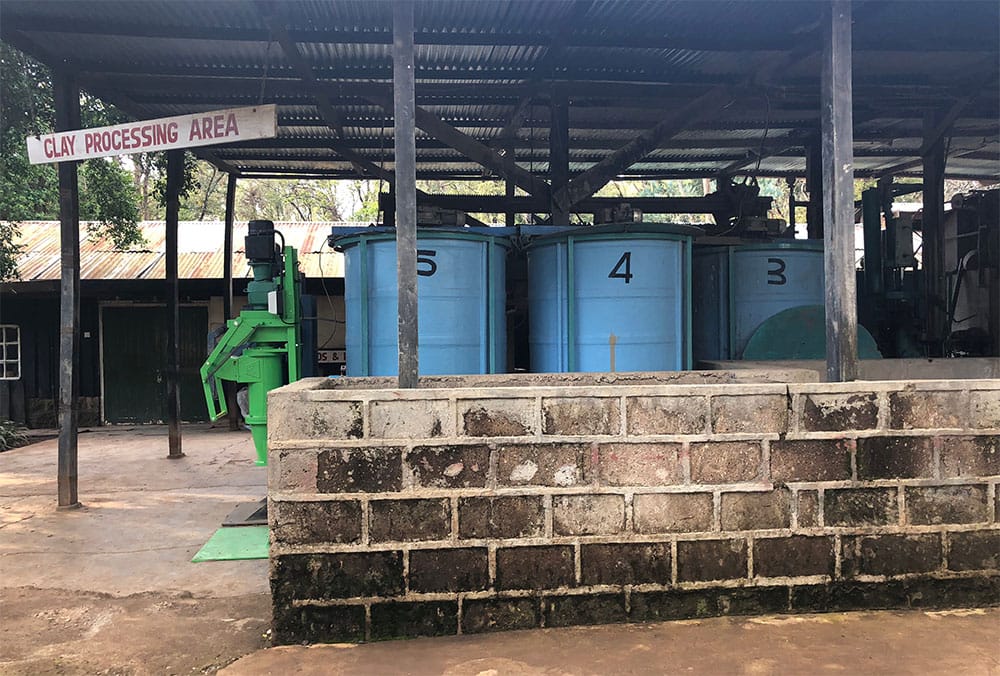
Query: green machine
(260, 348)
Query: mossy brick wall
(458, 510)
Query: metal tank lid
(623, 230)
(764, 245)
(382, 233)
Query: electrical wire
(329, 298)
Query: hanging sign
(167, 133)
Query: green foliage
(27, 191)
(9, 251)
(110, 199)
(12, 435)
(189, 181)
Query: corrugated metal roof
(624, 64)
(199, 244)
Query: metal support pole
(404, 105)
(932, 223)
(67, 105)
(175, 177)
(227, 261)
(838, 195)
(559, 154)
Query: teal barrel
(461, 294)
(610, 298)
(737, 288)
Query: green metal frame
(261, 350)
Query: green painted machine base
(235, 544)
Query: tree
(29, 191)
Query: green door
(135, 363)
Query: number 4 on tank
(623, 268)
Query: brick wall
(458, 510)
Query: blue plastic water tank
(737, 288)
(610, 298)
(461, 293)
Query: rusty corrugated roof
(200, 251)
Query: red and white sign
(167, 133)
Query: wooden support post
(228, 387)
(404, 104)
(559, 154)
(935, 285)
(227, 260)
(509, 190)
(838, 197)
(67, 105)
(175, 177)
(814, 186)
(790, 182)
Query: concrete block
(449, 466)
(703, 560)
(581, 415)
(625, 563)
(810, 460)
(835, 412)
(890, 554)
(545, 567)
(953, 593)
(449, 570)
(409, 520)
(947, 504)
(666, 415)
(850, 595)
(497, 417)
(290, 418)
(970, 456)
(928, 409)
(895, 458)
(318, 624)
(677, 604)
(540, 464)
(974, 550)
(629, 464)
(359, 470)
(300, 523)
(672, 512)
(292, 471)
(723, 462)
(755, 511)
(481, 615)
(588, 514)
(984, 409)
(336, 576)
(577, 609)
(764, 413)
(513, 516)
(793, 556)
(808, 516)
(420, 419)
(860, 507)
(405, 619)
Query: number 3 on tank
(776, 276)
(624, 262)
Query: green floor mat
(235, 544)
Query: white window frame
(5, 362)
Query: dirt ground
(109, 588)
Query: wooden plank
(837, 133)
(404, 103)
(935, 283)
(175, 178)
(67, 108)
(559, 155)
